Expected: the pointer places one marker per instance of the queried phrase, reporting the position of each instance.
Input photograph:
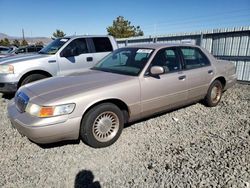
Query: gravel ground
(194, 146)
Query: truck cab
(62, 57)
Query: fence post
(155, 40)
(201, 39)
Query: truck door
(75, 57)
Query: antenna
(23, 33)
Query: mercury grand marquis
(129, 84)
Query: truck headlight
(6, 69)
(49, 111)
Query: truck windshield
(54, 46)
(128, 61)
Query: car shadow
(85, 179)
(57, 144)
(8, 96)
(152, 116)
(74, 142)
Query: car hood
(21, 58)
(56, 88)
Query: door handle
(182, 77)
(52, 61)
(210, 72)
(89, 59)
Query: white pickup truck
(63, 56)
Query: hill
(30, 40)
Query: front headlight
(49, 111)
(6, 69)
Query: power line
(219, 15)
(200, 22)
(172, 25)
(195, 26)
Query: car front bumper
(8, 87)
(44, 130)
(8, 83)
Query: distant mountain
(2, 36)
(30, 40)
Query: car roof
(159, 46)
(85, 36)
(4, 47)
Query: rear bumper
(44, 130)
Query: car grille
(21, 101)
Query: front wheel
(32, 78)
(102, 125)
(214, 94)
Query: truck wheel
(102, 125)
(32, 78)
(214, 94)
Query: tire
(32, 78)
(214, 94)
(102, 125)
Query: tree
(59, 33)
(5, 42)
(39, 43)
(16, 43)
(122, 28)
(24, 43)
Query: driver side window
(168, 59)
(79, 46)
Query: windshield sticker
(64, 40)
(145, 51)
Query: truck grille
(21, 101)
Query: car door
(166, 90)
(79, 62)
(198, 71)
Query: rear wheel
(32, 78)
(102, 125)
(214, 94)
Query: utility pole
(23, 34)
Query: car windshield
(54, 46)
(128, 61)
(4, 50)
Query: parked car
(129, 84)
(28, 49)
(61, 57)
(6, 51)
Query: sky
(40, 18)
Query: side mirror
(156, 70)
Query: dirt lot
(194, 146)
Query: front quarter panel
(32, 65)
(127, 92)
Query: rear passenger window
(102, 44)
(194, 58)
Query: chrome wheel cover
(215, 94)
(105, 126)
